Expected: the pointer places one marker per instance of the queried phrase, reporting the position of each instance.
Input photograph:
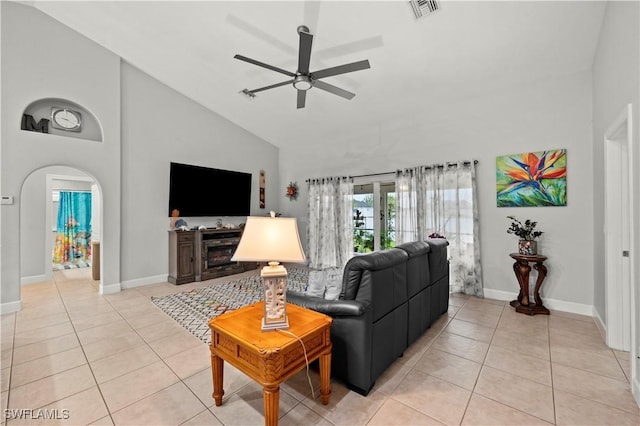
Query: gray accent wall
(145, 126)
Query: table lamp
(273, 240)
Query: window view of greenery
(363, 221)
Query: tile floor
(117, 359)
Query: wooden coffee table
(270, 357)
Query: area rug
(193, 309)
(70, 265)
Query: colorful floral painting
(532, 179)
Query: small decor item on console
(272, 239)
(292, 191)
(175, 222)
(527, 233)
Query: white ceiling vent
(424, 7)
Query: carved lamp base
(274, 280)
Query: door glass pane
(363, 215)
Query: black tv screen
(202, 191)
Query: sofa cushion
(316, 285)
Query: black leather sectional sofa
(388, 300)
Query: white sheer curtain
(442, 199)
(330, 235)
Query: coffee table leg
(271, 395)
(325, 377)
(217, 367)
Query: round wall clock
(66, 119)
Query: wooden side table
(521, 268)
(270, 357)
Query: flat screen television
(202, 191)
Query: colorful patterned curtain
(73, 234)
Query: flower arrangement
(526, 231)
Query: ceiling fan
(304, 80)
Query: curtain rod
(466, 163)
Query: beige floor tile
(31, 323)
(4, 398)
(449, 367)
(519, 364)
(392, 376)
(201, 384)
(571, 315)
(484, 411)
(175, 343)
(574, 410)
(79, 409)
(187, 363)
(5, 375)
(45, 348)
(46, 366)
(6, 357)
(434, 397)
(302, 415)
(393, 412)
(105, 421)
(461, 346)
(246, 407)
(590, 361)
(147, 318)
(53, 388)
(124, 362)
(470, 330)
(112, 345)
(578, 341)
(523, 343)
(573, 325)
(108, 331)
(346, 407)
(206, 417)
(159, 330)
(522, 394)
(536, 326)
(457, 299)
(299, 387)
(138, 385)
(171, 406)
(488, 319)
(43, 333)
(91, 321)
(592, 386)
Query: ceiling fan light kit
(303, 80)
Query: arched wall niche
(41, 109)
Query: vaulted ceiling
(464, 50)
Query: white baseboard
(602, 328)
(109, 288)
(635, 390)
(33, 279)
(144, 281)
(10, 307)
(558, 305)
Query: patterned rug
(70, 265)
(193, 309)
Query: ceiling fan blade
(271, 87)
(302, 96)
(341, 69)
(262, 64)
(333, 89)
(304, 54)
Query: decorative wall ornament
(532, 179)
(262, 186)
(292, 191)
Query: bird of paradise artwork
(532, 179)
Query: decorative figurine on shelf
(292, 191)
(176, 222)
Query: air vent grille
(424, 7)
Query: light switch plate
(6, 199)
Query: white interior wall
(554, 113)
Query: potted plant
(527, 233)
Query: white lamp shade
(270, 239)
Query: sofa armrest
(327, 307)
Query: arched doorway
(38, 217)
